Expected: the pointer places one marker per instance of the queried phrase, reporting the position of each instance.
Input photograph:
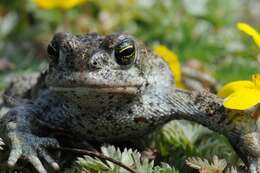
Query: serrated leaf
(128, 157)
(231, 170)
(203, 165)
(165, 168)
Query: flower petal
(250, 31)
(172, 60)
(62, 4)
(256, 80)
(44, 4)
(70, 3)
(235, 86)
(242, 99)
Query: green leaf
(128, 157)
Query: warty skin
(112, 89)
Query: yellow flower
(250, 31)
(63, 4)
(241, 95)
(172, 60)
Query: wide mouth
(130, 90)
(88, 82)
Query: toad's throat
(99, 89)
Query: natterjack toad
(112, 88)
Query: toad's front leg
(17, 127)
(208, 110)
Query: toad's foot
(1, 144)
(254, 166)
(251, 151)
(30, 147)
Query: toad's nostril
(98, 60)
(95, 64)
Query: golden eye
(125, 52)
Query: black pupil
(128, 51)
(125, 52)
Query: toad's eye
(53, 51)
(125, 52)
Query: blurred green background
(194, 29)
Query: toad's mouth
(131, 90)
(93, 82)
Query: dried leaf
(203, 165)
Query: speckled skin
(87, 94)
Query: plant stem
(98, 155)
